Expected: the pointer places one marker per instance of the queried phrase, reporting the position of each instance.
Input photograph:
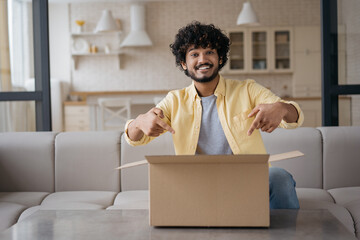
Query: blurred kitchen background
(100, 75)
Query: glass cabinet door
(236, 58)
(282, 50)
(259, 51)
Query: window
(18, 53)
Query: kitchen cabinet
(77, 116)
(83, 115)
(260, 50)
(84, 45)
(307, 62)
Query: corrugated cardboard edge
(283, 156)
(133, 164)
(272, 158)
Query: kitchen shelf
(113, 37)
(97, 54)
(75, 56)
(95, 34)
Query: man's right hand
(149, 124)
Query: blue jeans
(282, 189)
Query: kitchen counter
(82, 96)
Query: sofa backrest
(86, 161)
(136, 178)
(341, 153)
(27, 161)
(306, 170)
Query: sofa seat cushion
(345, 195)
(340, 212)
(131, 200)
(27, 199)
(315, 194)
(78, 200)
(9, 214)
(354, 209)
(28, 212)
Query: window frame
(329, 65)
(41, 95)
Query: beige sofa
(46, 170)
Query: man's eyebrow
(191, 49)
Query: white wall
(59, 41)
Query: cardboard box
(201, 190)
(210, 190)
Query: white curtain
(16, 54)
(17, 116)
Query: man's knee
(282, 189)
(280, 176)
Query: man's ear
(220, 61)
(183, 65)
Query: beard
(204, 79)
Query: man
(216, 115)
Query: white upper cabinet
(237, 53)
(260, 50)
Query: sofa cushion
(341, 156)
(340, 212)
(28, 212)
(136, 178)
(9, 214)
(354, 209)
(78, 200)
(27, 161)
(345, 195)
(131, 200)
(60, 206)
(306, 170)
(305, 194)
(26, 199)
(86, 161)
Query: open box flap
(190, 159)
(215, 158)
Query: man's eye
(210, 52)
(194, 55)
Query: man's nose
(202, 58)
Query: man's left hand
(267, 117)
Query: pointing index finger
(254, 124)
(166, 126)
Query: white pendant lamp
(138, 35)
(106, 23)
(247, 16)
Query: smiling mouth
(204, 67)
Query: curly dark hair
(201, 35)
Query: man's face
(202, 64)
